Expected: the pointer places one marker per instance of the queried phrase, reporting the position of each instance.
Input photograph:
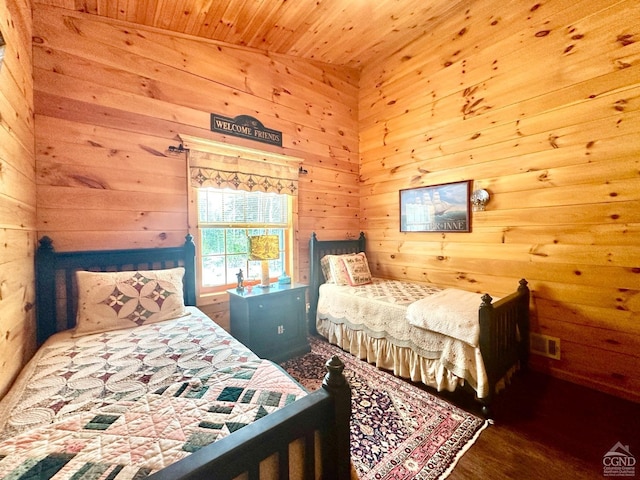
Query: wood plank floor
(547, 428)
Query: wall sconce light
(479, 199)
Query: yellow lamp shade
(264, 248)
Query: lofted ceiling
(350, 33)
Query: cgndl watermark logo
(619, 462)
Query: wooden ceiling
(350, 33)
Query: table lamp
(264, 248)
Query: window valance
(213, 164)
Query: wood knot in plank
(620, 105)
(152, 151)
(89, 182)
(536, 253)
(625, 39)
(69, 23)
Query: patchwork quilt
(126, 403)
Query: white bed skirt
(402, 361)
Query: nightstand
(272, 321)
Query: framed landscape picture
(436, 208)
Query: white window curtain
(213, 164)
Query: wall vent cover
(545, 345)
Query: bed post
(337, 449)
(485, 316)
(45, 289)
(314, 283)
(361, 242)
(189, 271)
(523, 322)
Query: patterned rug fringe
(398, 431)
(464, 449)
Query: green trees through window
(226, 218)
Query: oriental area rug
(398, 431)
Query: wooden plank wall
(535, 102)
(111, 98)
(539, 103)
(17, 192)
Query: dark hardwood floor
(547, 428)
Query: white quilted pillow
(116, 300)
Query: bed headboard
(317, 250)
(56, 289)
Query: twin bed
(444, 338)
(139, 383)
(133, 381)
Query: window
(237, 192)
(226, 218)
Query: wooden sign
(245, 126)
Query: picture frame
(436, 208)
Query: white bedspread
(370, 321)
(451, 312)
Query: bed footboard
(504, 336)
(325, 412)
